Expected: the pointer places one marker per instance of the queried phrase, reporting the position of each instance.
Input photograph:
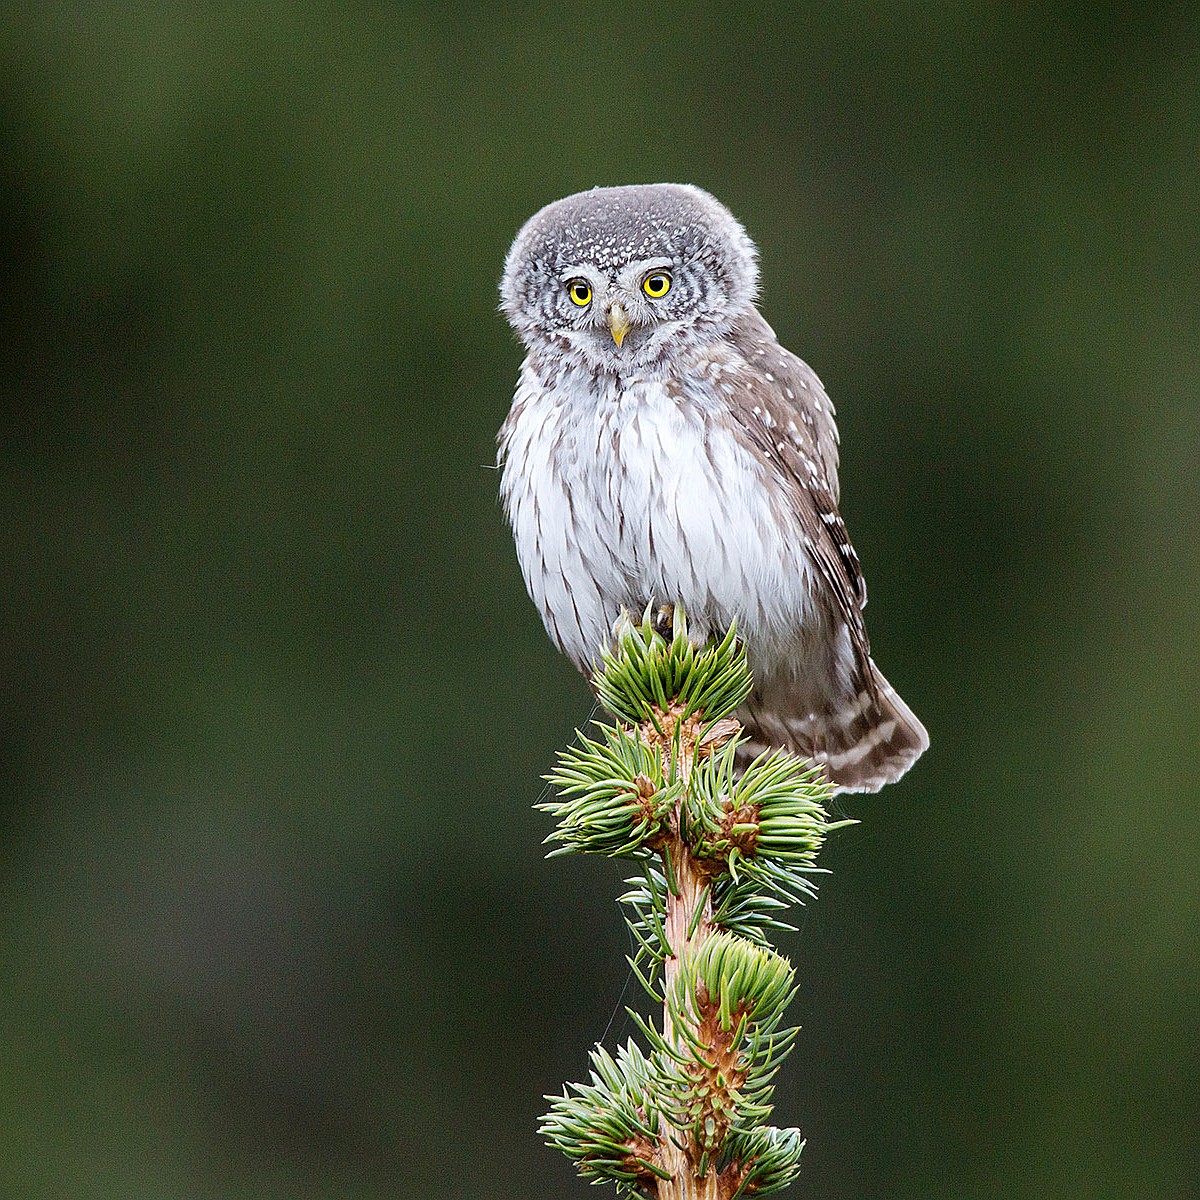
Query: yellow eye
(657, 285)
(579, 292)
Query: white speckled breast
(624, 491)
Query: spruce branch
(723, 849)
(610, 1126)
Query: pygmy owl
(664, 448)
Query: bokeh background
(274, 920)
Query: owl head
(623, 279)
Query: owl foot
(664, 621)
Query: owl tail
(863, 740)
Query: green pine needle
(770, 1157)
(644, 675)
(610, 1126)
(612, 798)
(737, 976)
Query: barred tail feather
(864, 740)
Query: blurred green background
(274, 920)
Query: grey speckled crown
(611, 226)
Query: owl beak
(618, 322)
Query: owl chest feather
(624, 492)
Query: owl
(663, 448)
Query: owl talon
(664, 621)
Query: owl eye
(657, 285)
(580, 292)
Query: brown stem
(689, 908)
(679, 1152)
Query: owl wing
(785, 414)
(799, 390)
